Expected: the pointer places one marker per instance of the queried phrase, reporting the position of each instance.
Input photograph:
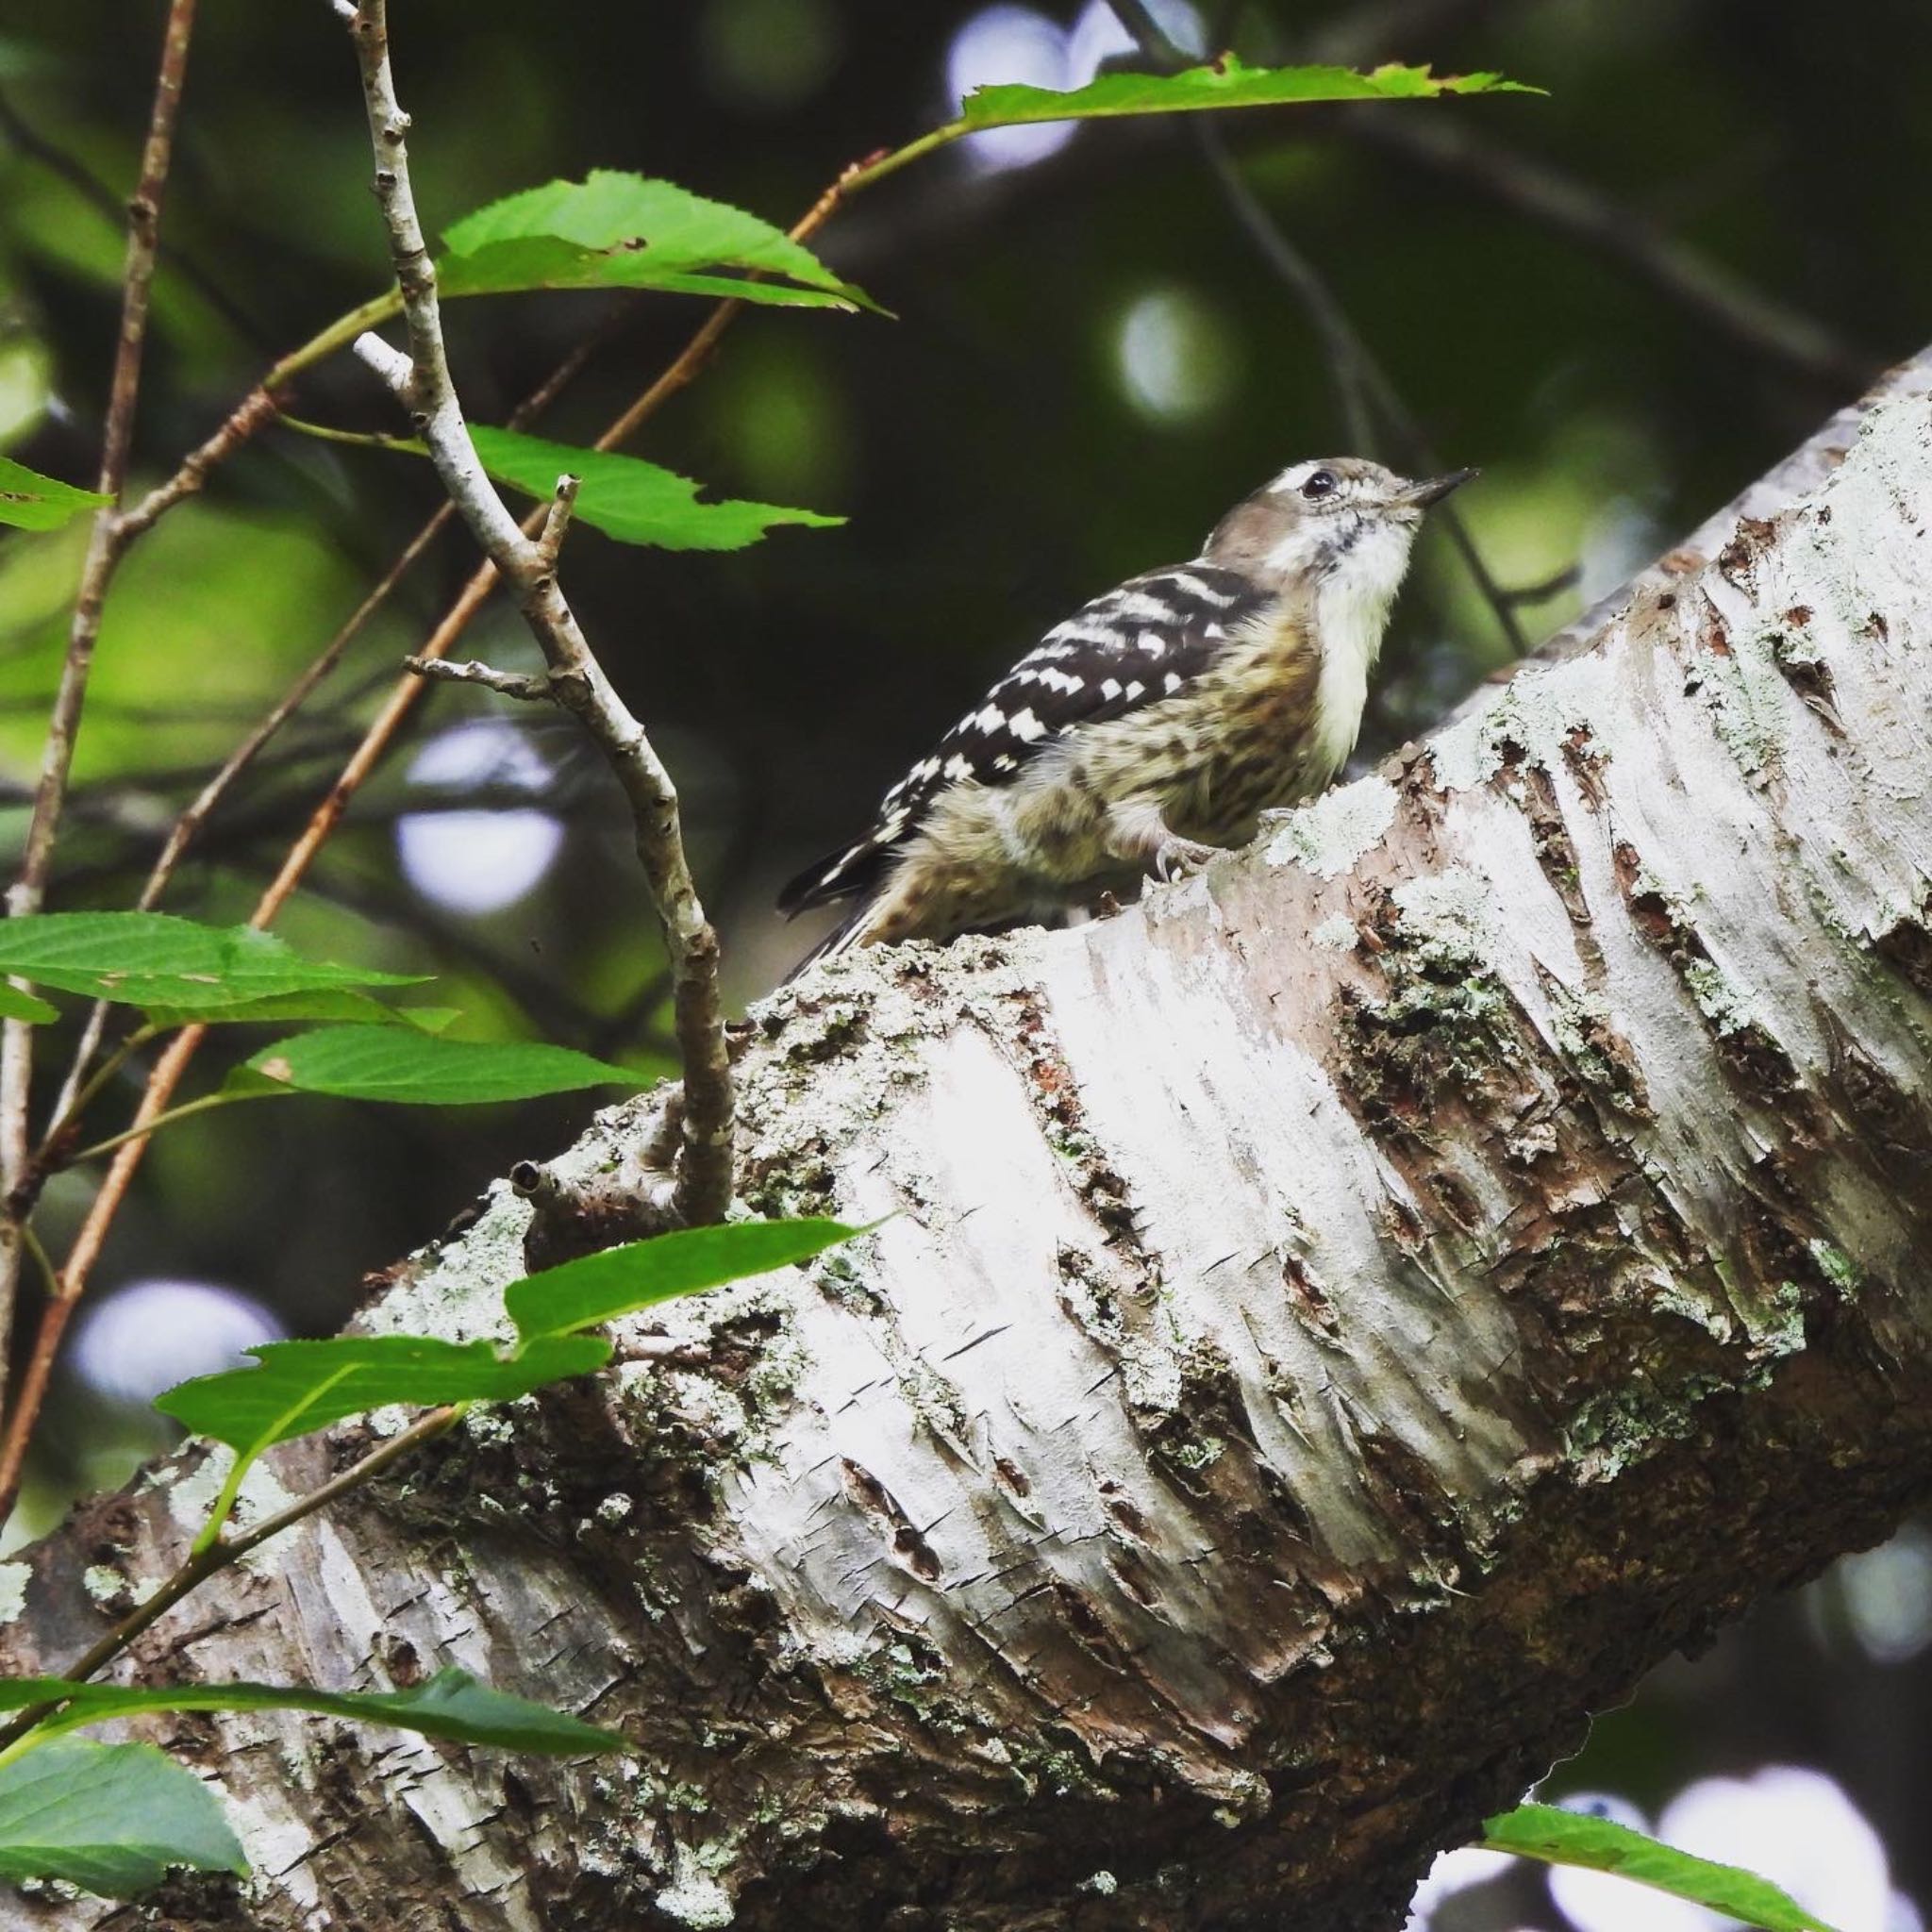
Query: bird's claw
(1178, 859)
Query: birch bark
(1341, 1322)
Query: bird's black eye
(1320, 485)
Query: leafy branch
(128, 1813)
(610, 231)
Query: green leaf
(325, 1003)
(111, 1817)
(619, 1281)
(632, 500)
(16, 1004)
(401, 1063)
(30, 501)
(1575, 1838)
(450, 1705)
(1226, 84)
(303, 1385)
(624, 231)
(154, 959)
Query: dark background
(1621, 301)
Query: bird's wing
(1143, 641)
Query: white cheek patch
(1298, 551)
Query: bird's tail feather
(842, 938)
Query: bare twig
(1343, 347)
(254, 410)
(1543, 589)
(70, 168)
(1363, 386)
(86, 1250)
(166, 1074)
(512, 684)
(421, 381)
(187, 827)
(1771, 329)
(105, 543)
(198, 1567)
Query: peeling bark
(1343, 1322)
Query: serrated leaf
(407, 1065)
(451, 1703)
(323, 1003)
(632, 500)
(1555, 1836)
(18, 1004)
(30, 501)
(1227, 83)
(303, 1385)
(617, 230)
(155, 959)
(112, 1819)
(619, 1281)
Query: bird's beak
(1434, 489)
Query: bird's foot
(1175, 858)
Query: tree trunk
(1341, 1322)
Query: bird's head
(1334, 518)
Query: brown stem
(187, 827)
(168, 1071)
(422, 383)
(1774, 331)
(256, 408)
(1363, 385)
(81, 1258)
(105, 543)
(218, 1556)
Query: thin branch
(697, 352)
(68, 167)
(256, 408)
(199, 1566)
(81, 1258)
(422, 382)
(165, 1076)
(105, 543)
(365, 439)
(207, 1104)
(1364, 384)
(188, 827)
(75, 1101)
(1342, 347)
(1567, 578)
(512, 684)
(556, 516)
(1774, 330)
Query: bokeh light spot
(1888, 1596)
(769, 54)
(1454, 1872)
(1177, 358)
(478, 859)
(1795, 1827)
(153, 1334)
(1602, 1901)
(1097, 36)
(1007, 44)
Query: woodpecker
(1153, 727)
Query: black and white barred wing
(1144, 641)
